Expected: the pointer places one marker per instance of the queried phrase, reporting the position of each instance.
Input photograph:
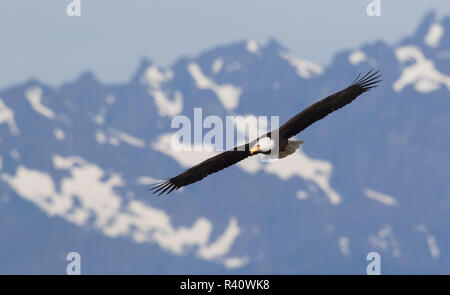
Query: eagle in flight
(275, 141)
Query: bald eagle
(277, 140)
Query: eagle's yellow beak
(254, 149)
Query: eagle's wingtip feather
(161, 187)
(368, 81)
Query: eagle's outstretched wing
(205, 168)
(296, 124)
(328, 105)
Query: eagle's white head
(263, 145)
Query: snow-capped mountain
(75, 162)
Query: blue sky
(39, 40)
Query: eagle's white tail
(291, 147)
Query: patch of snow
(201, 80)
(434, 35)
(167, 107)
(114, 141)
(100, 117)
(217, 65)
(127, 138)
(223, 243)
(250, 165)
(430, 240)
(227, 94)
(7, 116)
(100, 137)
(385, 240)
(433, 247)
(34, 97)
(252, 46)
(235, 262)
(177, 241)
(62, 163)
(304, 68)
(110, 99)
(38, 187)
(59, 134)
(155, 78)
(344, 245)
(314, 170)
(301, 195)
(422, 74)
(115, 137)
(146, 180)
(382, 198)
(15, 155)
(357, 57)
